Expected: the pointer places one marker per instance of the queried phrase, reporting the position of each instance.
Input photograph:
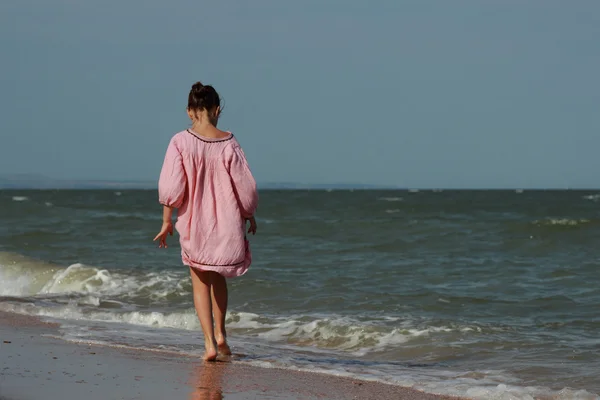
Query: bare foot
(223, 347)
(211, 352)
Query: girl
(205, 176)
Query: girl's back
(208, 180)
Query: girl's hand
(252, 228)
(167, 229)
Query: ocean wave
(561, 222)
(20, 198)
(21, 276)
(30, 277)
(327, 333)
(115, 215)
(592, 197)
(476, 385)
(390, 199)
(337, 333)
(472, 389)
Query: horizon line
(40, 182)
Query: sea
(488, 294)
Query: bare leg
(219, 305)
(202, 300)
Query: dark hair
(203, 97)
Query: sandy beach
(36, 365)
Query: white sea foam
(20, 276)
(561, 221)
(392, 211)
(329, 333)
(508, 392)
(592, 197)
(72, 311)
(476, 385)
(20, 198)
(23, 276)
(13, 286)
(17, 280)
(124, 215)
(390, 198)
(337, 333)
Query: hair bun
(203, 97)
(197, 87)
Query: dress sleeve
(172, 182)
(244, 184)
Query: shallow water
(489, 294)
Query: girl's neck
(207, 130)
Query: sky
(420, 94)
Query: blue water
(486, 294)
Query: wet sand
(34, 365)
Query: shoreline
(37, 366)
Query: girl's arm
(172, 182)
(244, 183)
(167, 227)
(171, 189)
(167, 214)
(252, 228)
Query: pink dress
(211, 185)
